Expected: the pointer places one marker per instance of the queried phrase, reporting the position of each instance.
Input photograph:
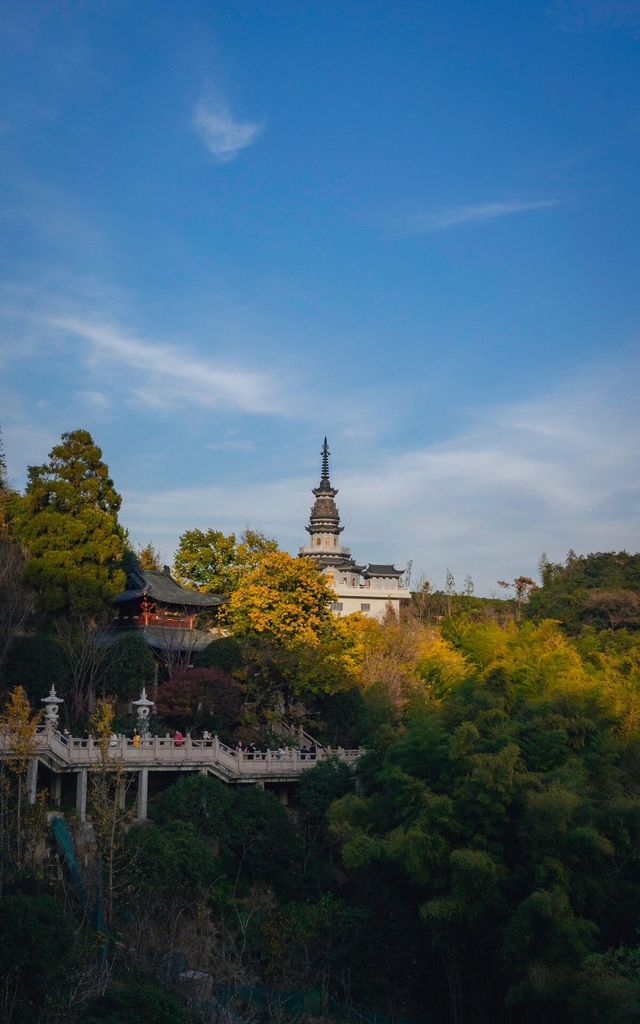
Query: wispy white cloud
(557, 471)
(439, 220)
(171, 375)
(223, 136)
(94, 400)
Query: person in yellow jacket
(136, 739)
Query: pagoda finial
(325, 460)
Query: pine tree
(149, 557)
(68, 520)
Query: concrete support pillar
(121, 795)
(81, 794)
(143, 791)
(32, 779)
(56, 789)
(260, 784)
(283, 794)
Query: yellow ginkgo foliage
(285, 600)
(20, 724)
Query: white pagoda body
(370, 589)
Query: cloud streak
(172, 375)
(223, 136)
(440, 220)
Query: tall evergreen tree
(68, 520)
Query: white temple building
(369, 589)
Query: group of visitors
(253, 753)
(250, 752)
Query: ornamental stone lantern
(143, 708)
(51, 709)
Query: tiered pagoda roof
(325, 517)
(324, 524)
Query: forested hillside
(485, 867)
(481, 864)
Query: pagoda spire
(324, 522)
(324, 487)
(325, 462)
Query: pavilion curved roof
(161, 586)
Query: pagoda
(324, 522)
(370, 589)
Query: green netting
(64, 842)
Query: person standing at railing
(206, 737)
(178, 739)
(137, 739)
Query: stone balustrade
(63, 754)
(164, 751)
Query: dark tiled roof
(160, 586)
(381, 570)
(348, 565)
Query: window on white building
(365, 607)
(336, 606)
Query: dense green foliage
(485, 870)
(256, 838)
(216, 563)
(131, 666)
(601, 590)
(225, 653)
(68, 520)
(172, 861)
(505, 821)
(482, 868)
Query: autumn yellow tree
(18, 726)
(284, 600)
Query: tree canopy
(68, 520)
(601, 590)
(213, 562)
(283, 599)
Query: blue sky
(232, 228)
